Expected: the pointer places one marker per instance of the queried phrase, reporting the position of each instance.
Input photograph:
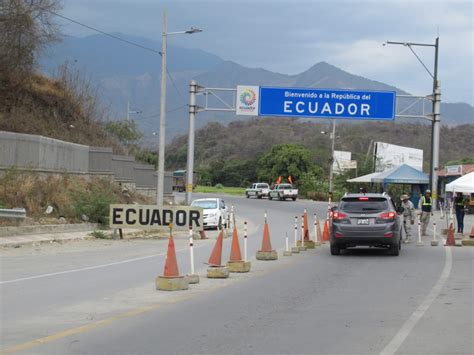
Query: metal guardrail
(19, 213)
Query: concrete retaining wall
(48, 155)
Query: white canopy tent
(463, 184)
(364, 178)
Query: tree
(26, 29)
(285, 160)
(126, 131)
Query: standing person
(460, 206)
(408, 216)
(425, 204)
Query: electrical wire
(106, 34)
(125, 41)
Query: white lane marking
(89, 267)
(406, 328)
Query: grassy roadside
(220, 190)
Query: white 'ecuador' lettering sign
(150, 216)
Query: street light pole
(161, 147)
(333, 138)
(193, 88)
(436, 116)
(162, 140)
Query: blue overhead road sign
(327, 103)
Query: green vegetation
(70, 196)
(221, 190)
(249, 151)
(99, 234)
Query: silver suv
(369, 219)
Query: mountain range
(125, 73)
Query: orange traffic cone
(450, 239)
(235, 263)
(266, 243)
(216, 256)
(326, 231)
(305, 226)
(266, 252)
(171, 265)
(235, 254)
(171, 281)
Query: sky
(290, 36)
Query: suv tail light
(386, 217)
(338, 215)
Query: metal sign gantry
(225, 100)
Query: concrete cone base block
(295, 250)
(217, 272)
(171, 283)
(434, 243)
(458, 243)
(193, 279)
(239, 266)
(419, 244)
(267, 255)
(287, 253)
(302, 248)
(468, 242)
(308, 244)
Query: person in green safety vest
(425, 205)
(460, 205)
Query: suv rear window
(363, 204)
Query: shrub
(93, 202)
(219, 186)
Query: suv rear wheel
(335, 250)
(395, 249)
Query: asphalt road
(99, 298)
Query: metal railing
(19, 213)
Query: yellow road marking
(88, 327)
(135, 312)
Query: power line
(125, 41)
(105, 33)
(157, 114)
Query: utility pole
(333, 139)
(193, 88)
(436, 115)
(435, 129)
(161, 147)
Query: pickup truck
(258, 190)
(282, 192)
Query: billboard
(342, 161)
(390, 155)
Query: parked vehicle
(214, 211)
(180, 179)
(366, 219)
(283, 192)
(258, 190)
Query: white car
(214, 210)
